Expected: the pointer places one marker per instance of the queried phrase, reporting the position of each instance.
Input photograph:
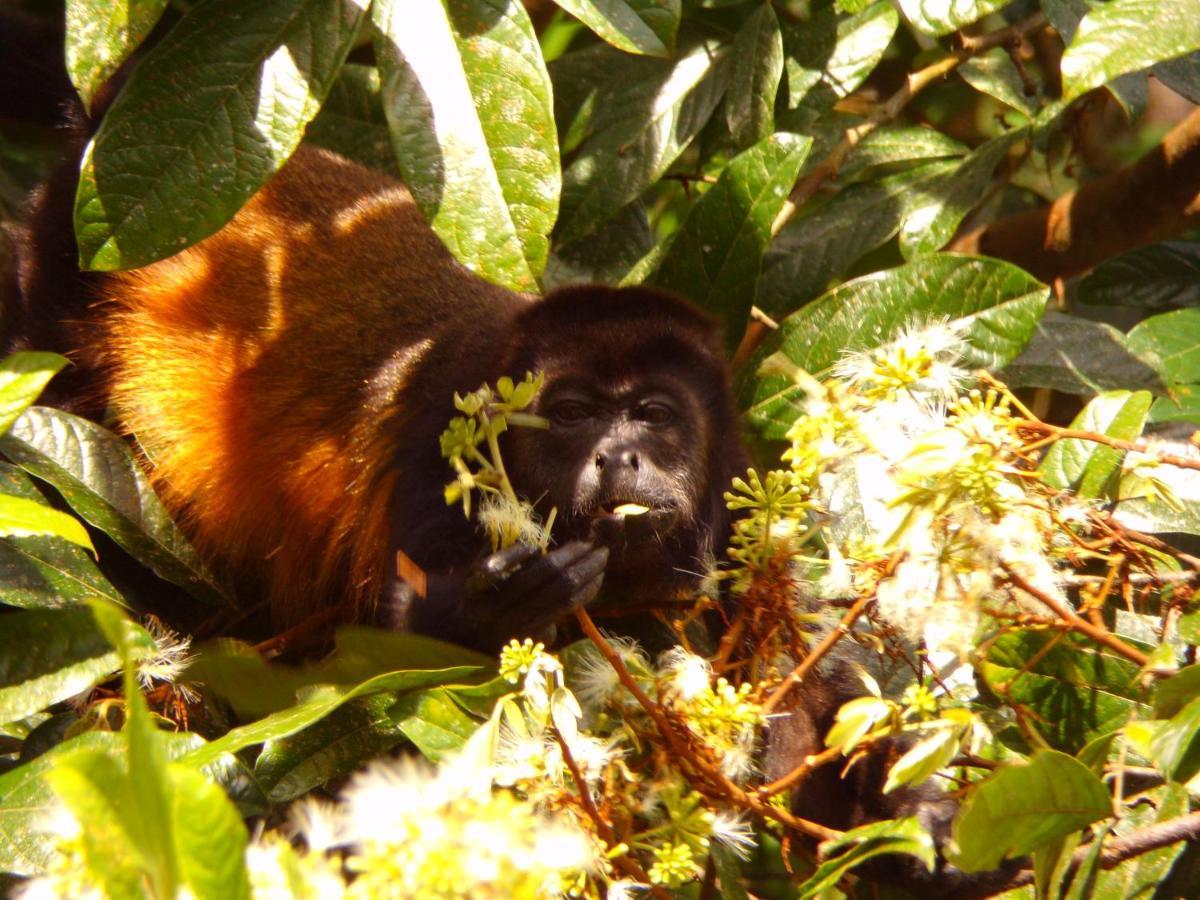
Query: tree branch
(1153, 199)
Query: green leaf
(923, 759)
(865, 842)
(22, 377)
(644, 113)
(1023, 807)
(352, 122)
(1181, 405)
(434, 722)
(929, 226)
(1077, 356)
(205, 119)
(1076, 692)
(26, 802)
(333, 747)
(255, 687)
(1124, 36)
(1172, 694)
(1159, 277)
(48, 655)
(1088, 467)
(20, 517)
(830, 56)
(1171, 344)
(45, 572)
(717, 253)
(100, 36)
(95, 788)
(468, 103)
(635, 26)
(606, 256)
(891, 144)
(754, 74)
(998, 304)
(210, 839)
(812, 251)
(938, 17)
(97, 475)
(1175, 744)
(995, 74)
(317, 704)
(1142, 877)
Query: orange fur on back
(256, 368)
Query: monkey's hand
(515, 593)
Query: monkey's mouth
(621, 510)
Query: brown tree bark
(1151, 200)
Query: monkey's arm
(515, 593)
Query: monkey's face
(642, 438)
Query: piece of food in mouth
(630, 509)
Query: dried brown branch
(1155, 198)
(679, 746)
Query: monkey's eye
(569, 412)
(654, 413)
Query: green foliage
(761, 159)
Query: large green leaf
(995, 74)
(814, 250)
(44, 572)
(23, 517)
(1171, 344)
(939, 17)
(606, 256)
(635, 26)
(333, 747)
(205, 119)
(47, 655)
(997, 304)
(434, 721)
(930, 225)
(1023, 807)
(866, 842)
(468, 104)
(717, 253)
(1123, 36)
(831, 55)
(754, 74)
(97, 475)
(317, 704)
(1076, 692)
(27, 800)
(1156, 278)
(1174, 745)
(1086, 466)
(1077, 356)
(210, 839)
(22, 377)
(100, 36)
(638, 119)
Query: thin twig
(806, 665)
(1096, 437)
(627, 864)
(1083, 626)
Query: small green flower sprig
(486, 414)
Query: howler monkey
(289, 377)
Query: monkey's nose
(627, 459)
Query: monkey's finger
(557, 605)
(500, 565)
(558, 582)
(545, 569)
